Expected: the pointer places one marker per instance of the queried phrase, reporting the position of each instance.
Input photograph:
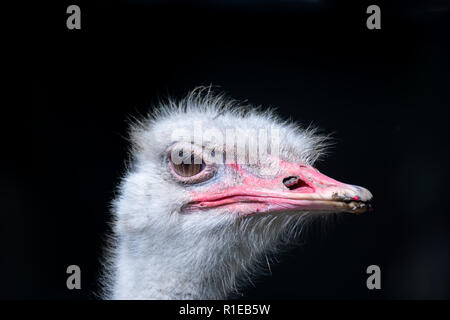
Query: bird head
(206, 157)
(213, 185)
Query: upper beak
(299, 188)
(316, 191)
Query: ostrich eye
(189, 169)
(189, 164)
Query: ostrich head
(211, 189)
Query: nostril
(294, 182)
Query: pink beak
(299, 188)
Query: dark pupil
(188, 169)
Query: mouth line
(276, 203)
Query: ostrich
(194, 216)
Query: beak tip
(363, 198)
(362, 194)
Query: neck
(182, 269)
(174, 261)
(155, 277)
(188, 264)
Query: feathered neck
(195, 264)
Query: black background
(384, 94)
